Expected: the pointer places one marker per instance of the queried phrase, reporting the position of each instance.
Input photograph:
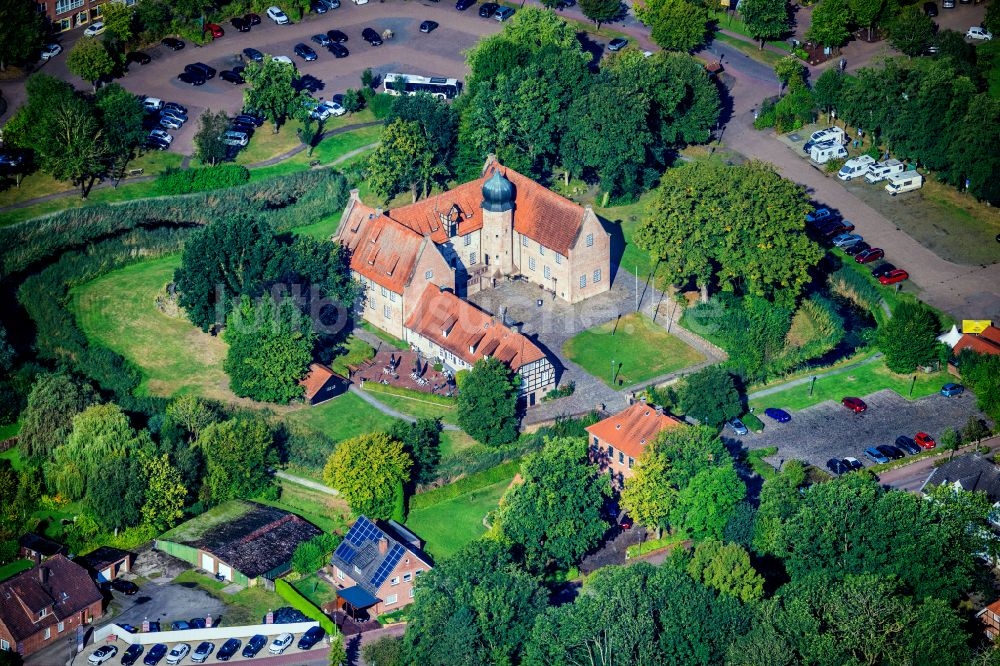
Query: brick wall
(617, 463)
(38, 641)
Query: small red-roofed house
(617, 442)
(990, 617)
(322, 384)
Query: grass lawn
(14, 456)
(454, 441)
(125, 191)
(315, 589)
(857, 382)
(765, 56)
(414, 406)
(265, 144)
(382, 335)
(117, 310)
(356, 352)
(247, 606)
(448, 526)
(640, 348)
(321, 230)
(733, 23)
(15, 567)
(333, 147)
(343, 417)
(327, 512)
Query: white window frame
(524, 241)
(467, 239)
(48, 633)
(60, 627)
(340, 575)
(590, 240)
(407, 578)
(394, 580)
(387, 311)
(418, 572)
(547, 272)
(558, 258)
(472, 258)
(385, 292)
(392, 297)
(428, 275)
(4, 644)
(541, 249)
(583, 281)
(391, 599)
(597, 276)
(411, 592)
(531, 263)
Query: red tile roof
(991, 333)
(456, 325)
(993, 607)
(381, 249)
(317, 378)
(67, 589)
(633, 429)
(987, 342)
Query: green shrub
(381, 105)
(794, 110)
(855, 286)
(465, 485)
(185, 181)
(767, 116)
(300, 603)
(752, 422)
(833, 166)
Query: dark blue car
(311, 637)
(155, 654)
(228, 649)
(254, 645)
(779, 415)
(949, 390)
(132, 654)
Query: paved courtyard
(828, 430)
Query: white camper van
(825, 151)
(882, 170)
(904, 182)
(828, 134)
(856, 167)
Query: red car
(215, 29)
(924, 440)
(869, 255)
(856, 405)
(892, 277)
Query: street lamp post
(612, 372)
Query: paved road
(912, 476)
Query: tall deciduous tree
(403, 160)
(117, 495)
(827, 89)
(649, 496)
(601, 11)
(554, 518)
(22, 28)
(118, 21)
(790, 71)
(208, 142)
(710, 395)
(270, 348)
(487, 403)
(239, 454)
(271, 91)
(726, 568)
(765, 19)
(48, 419)
(366, 470)
(829, 23)
(909, 338)
(704, 507)
(89, 59)
(866, 12)
(165, 492)
(76, 148)
(422, 441)
(120, 115)
(677, 25)
(911, 31)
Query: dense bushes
(282, 201)
(185, 181)
(982, 373)
(855, 286)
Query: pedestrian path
(771, 390)
(308, 483)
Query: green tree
(437, 120)
(827, 89)
(829, 23)
(89, 59)
(165, 493)
(911, 31)
(601, 11)
(422, 441)
(780, 499)
(909, 338)
(866, 12)
(270, 348)
(386, 651)
(710, 395)
(312, 554)
(271, 91)
(47, 421)
(366, 470)
(649, 496)
(476, 607)
(209, 145)
(487, 403)
(553, 518)
(118, 21)
(115, 498)
(981, 372)
(191, 413)
(308, 132)
(704, 507)
(21, 31)
(765, 19)
(677, 25)
(238, 456)
(120, 115)
(790, 72)
(75, 147)
(726, 568)
(975, 429)
(403, 160)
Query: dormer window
(42, 613)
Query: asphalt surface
(828, 430)
(912, 477)
(166, 603)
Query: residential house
(457, 334)
(68, 14)
(36, 547)
(244, 542)
(971, 472)
(44, 604)
(985, 342)
(617, 442)
(322, 384)
(376, 566)
(990, 617)
(106, 563)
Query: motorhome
(882, 170)
(904, 182)
(828, 134)
(856, 167)
(823, 152)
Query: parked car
(321, 39)
(170, 123)
(870, 255)
(462, 5)
(625, 521)
(283, 59)
(882, 269)
(979, 32)
(891, 452)
(201, 69)
(248, 130)
(428, 26)
(102, 654)
(191, 79)
(337, 36)
(152, 104)
(326, 109)
(617, 44)
(252, 19)
(876, 456)
(305, 52)
(779, 415)
(856, 249)
(154, 627)
(837, 227)
(924, 440)
(180, 625)
(156, 142)
(11, 159)
(138, 57)
(949, 390)
(317, 7)
(276, 15)
(197, 623)
(843, 465)
(738, 427)
(132, 654)
(856, 405)
(172, 43)
(50, 51)
(97, 27)
(280, 643)
(228, 649)
(240, 25)
(339, 50)
(126, 587)
(253, 54)
(202, 652)
(930, 9)
(254, 645)
(906, 444)
(233, 138)
(371, 37)
(176, 655)
(843, 240)
(215, 29)
(503, 14)
(894, 276)
(155, 654)
(249, 119)
(312, 636)
(487, 9)
(176, 109)
(232, 76)
(819, 215)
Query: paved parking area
(828, 430)
(166, 603)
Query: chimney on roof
(354, 194)
(383, 545)
(378, 212)
(659, 411)
(43, 574)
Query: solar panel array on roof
(388, 564)
(363, 530)
(345, 552)
(366, 555)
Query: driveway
(165, 603)
(828, 430)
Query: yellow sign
(975, 325)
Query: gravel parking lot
(828, 430)
(166, 603)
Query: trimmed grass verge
(650, 545)
(247, 606)
(356, 352)
(755, 458)
(327, 512)
(414, 403)
(343, 417)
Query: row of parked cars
(204, 650)
(827, 224)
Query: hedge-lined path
(308, 483)
(387, 410)
(104, 184)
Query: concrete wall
(197, 635)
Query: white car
(102, 654)
(284, 59)
(178, 653)
(162, 135)
(51, 51)
(280, 644)
(276, 15)
(232, 138)
(94, 30)
(361, 2)
(978, 32)
(326, 109)
(152, 103)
